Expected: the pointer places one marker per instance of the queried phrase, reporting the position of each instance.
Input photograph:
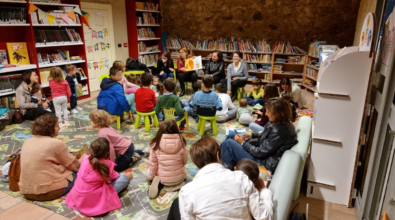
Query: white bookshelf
(60, 64)
(143, 53)
(57, 44)
(19, 68)
(7, 93)
(14, 25)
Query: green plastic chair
(169, 114)
(240, 92)
(146, 120)
(101, 77)
(202, 124)
(134, 72)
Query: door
(99, 42)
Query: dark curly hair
(44, 125)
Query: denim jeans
(70, 184)
(252, 101)
(254, 127)
(73, 101)
(121, 183)
(165, 76)
(123, 161)
(232, 152)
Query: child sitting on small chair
(197, 86)
(244, 113)
(255, 95)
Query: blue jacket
(112, 98)
(207, 103)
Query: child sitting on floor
(255, 95)
(244, 113)
(287, 97)
(251, 169)
(192, 111)
(121, 148)
(168, 156)
(169, 100)
(207, 101)
(145, 97)
(112, 97)
(97, 185)
(228, 111)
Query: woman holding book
(237, 75)
(267, 148)
(293, 90)
(215, 67)
(183, 75)
(29, 109)
(165, 66)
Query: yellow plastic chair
(101, 77)
(146, 120)
(169, 114)
(118, 119)
(240, 92)
(202, 124)
(134, 72)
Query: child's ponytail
(100, 149)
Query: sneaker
(182, 128)
(78, 108)
(136, 157)
(74, 111)
(68, 112)
(154, 188)
(147, 151)
(66, 122)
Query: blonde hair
(56, 74)
(100, 117)
(118, 64)
(70, 68)
(186, 51)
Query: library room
(174, 109)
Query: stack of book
(281, 60)
(10, 83)
(51, 36)
(58, 56)
(258, 58)
(147, 6)
(58, 14)
(12, 15)
(146, 18)
(314, 48)
(297, 80)
(277, 68)
(285, 47)
(149, 60)
(145, 33)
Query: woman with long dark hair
(216, 67)
(293, 90)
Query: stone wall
(297, 20)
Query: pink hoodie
(92, 195)
(169, 159)
(127, 85)
(118, 143)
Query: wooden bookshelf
(25, 33)
(133, 27)
(310, 81)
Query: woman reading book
(216, 67)
(183, 75)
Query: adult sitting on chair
(183, 75)
(267, 148)
(165, 67)
(237, 75)
(215, 67)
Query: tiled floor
(14, 209)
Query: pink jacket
(92, 195)
(169, 159)
(127, 85)
(60, 88)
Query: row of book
(8, 102)
(145, 33)
(149, 59)
(46, 1)
(147, 18)
(47, 36)
(9, 83)
(58, 56)
(58, 14)
(314, 48)
(286, 48)
(297, 80)
(312, 73)
(233, 44)
(44, 75)
(257, 58)
(178, 43)
(13, 15)
(254, 67)
(147, 6)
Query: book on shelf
(44, 74)
(8, 102)
(45, 1)
(18, 53)
(193, 63)
(147, 6)
(314, 48)
(263, 46)
(312, 73)
(58, 14)
(325, 51)
(58, 56)
(285, 47)
(257, 58)
(3, 57)
(13, 15)
(145, 33)
(178, 43)
(9, 83)
(82, 73)
(297, 80)
(150, 59)
(56, 36)
(277, 68)
(147, 18)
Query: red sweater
(264, 119)
(60, 88)
(145, 100)
(181, 64)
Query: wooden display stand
(342, 88)
(25, 33)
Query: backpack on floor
(14, 172)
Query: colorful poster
(101, 64)
(105, 30)
(96, 46)
(100, 33)
(366, 33)
(107, 63)
(94, 34)
(193, 63)
(90, 66)
(90, 49)
(103, 46)
(95, 65)
(18, 53)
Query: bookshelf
(25, 33)
(311, 73)
(144, 17)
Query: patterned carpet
(135, 201)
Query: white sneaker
(74, 111)
(78, 108)
(66, 122)
(66, 111)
